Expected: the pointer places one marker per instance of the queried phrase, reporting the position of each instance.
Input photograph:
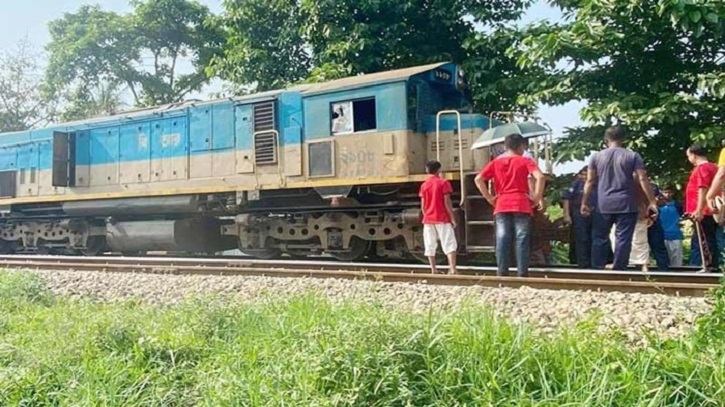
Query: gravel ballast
(546, 310)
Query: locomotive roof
(366, 79)
(305, 89)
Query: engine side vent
(439, 146)
(8, 184)
(457, 144)
(265, 148)
(264, 116)
(265, 136)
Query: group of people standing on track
(650, 222)
(618, 216)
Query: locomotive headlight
(460, 79)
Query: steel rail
(689, 285)
(536, 272)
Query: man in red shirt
(513, 203)
(696, 207)
(438, 219)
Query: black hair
(513, 141)
(698, 150)
(432, 167)
(670, 187)
(615, 133)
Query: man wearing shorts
(438, 219)
(513, 203)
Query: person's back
(615, 167)
(513, 203)
(611, 173)
(510, 175)
(434, 191)
(438, 220)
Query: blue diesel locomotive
(316, 168)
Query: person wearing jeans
(612, 171)
(581, 225)
(518, 227)
(512, 202)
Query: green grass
(307, 352)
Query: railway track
(671, 283)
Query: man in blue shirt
(581, 225)
(611, 172)
(670, 213)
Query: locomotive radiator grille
(265, 142)
(265, 148)
(458, 144)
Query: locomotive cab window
(353, 116)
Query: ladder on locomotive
(479, 229)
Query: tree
(142, 50)
(106, 99)
(21, 104)
(264, 45)
(495, 78)
(658, 68)
(373, 36)
(274, 43)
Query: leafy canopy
(658, 67)
(143, 50)
(273, 43)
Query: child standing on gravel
(438, 219)
(670, 214)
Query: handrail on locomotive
(458, 133)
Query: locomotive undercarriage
(347, 223)
(52, 236)
(349, 235)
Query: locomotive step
(480, 249)
(480, 222)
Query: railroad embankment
(85, 338)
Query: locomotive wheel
(297, 254)
(43, 250)
(262, 254)
(94, 246)
(7, 247)
(358, 249)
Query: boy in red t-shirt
(696, 208)
(513, 203)
(438, 220)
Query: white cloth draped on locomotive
(316, 168)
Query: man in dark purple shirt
(612, 171)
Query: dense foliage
(273, 44)
(141, 50)
(656, 66)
